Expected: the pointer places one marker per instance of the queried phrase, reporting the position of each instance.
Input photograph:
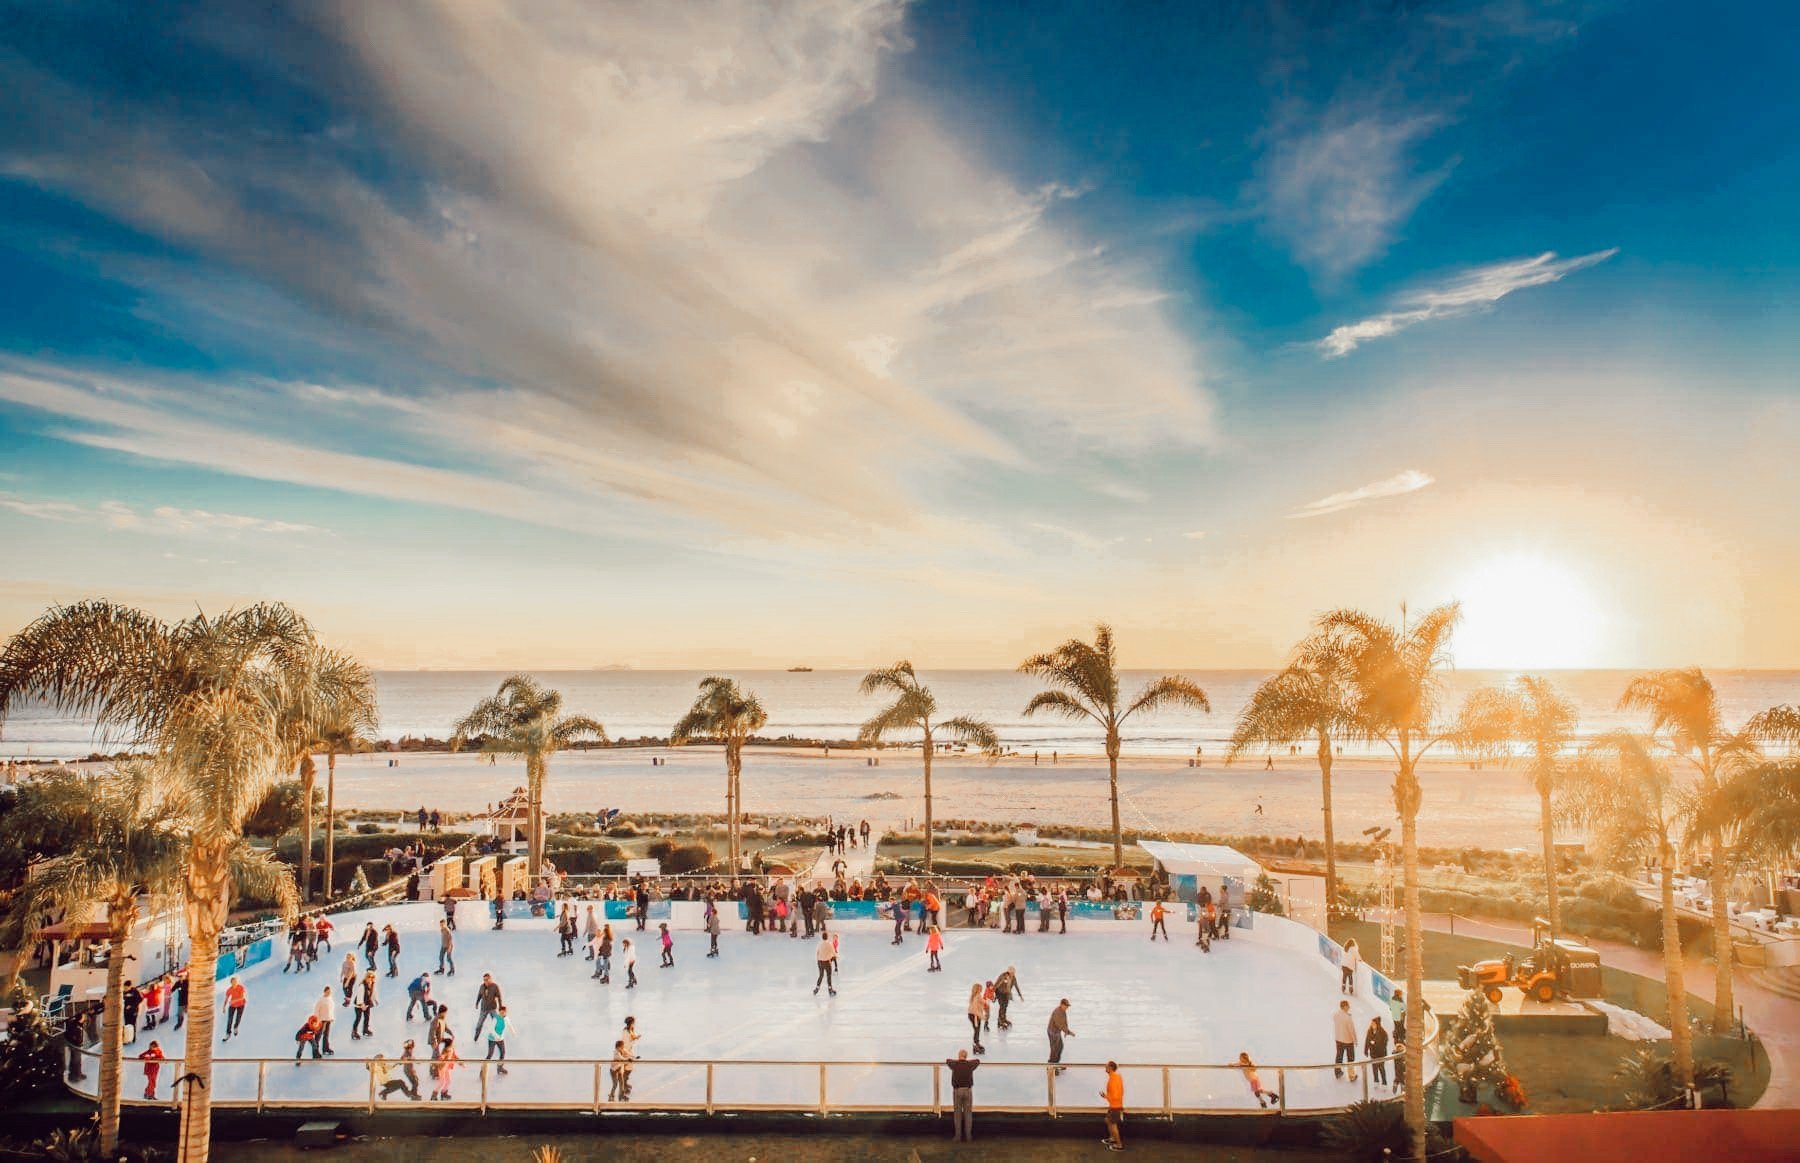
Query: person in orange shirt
(234, 1007)
(1157, 913)
(1114, 1094)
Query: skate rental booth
(1188, 867)
(745, 1032)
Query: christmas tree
(359, 884)
(1263, 898)
(1472, 1049)
(31, 1059)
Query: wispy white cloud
(1466, 292)
(727, 274)
(1398, 485)
(1337, 188)
(156, 519)
(1195, 535)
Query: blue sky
(569, 335)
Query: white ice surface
(1165, 1003)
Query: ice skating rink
(752, 1013)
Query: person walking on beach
(1114, 1094)
(962, 1095)
(977, 1014)
(364, 1008)
(1352, 960)
(1006, 987)
(347, 975)
(391, 939)
(1343, 1035)
(487, 1001)
(496, 1039)
(322, 1011)
(234, 1007)
(446, 948)
(1375, 1048)
(712, 926)
(826, 955)
(1157, 915)
(864, 829)
(1263, 1098)
(1058, 1030)
(630, 955)
(934, 945)
(152, 1060)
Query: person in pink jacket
(934, 944)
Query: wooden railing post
(599, 1069)
(1281, 1087)
(709, 1088)
(1168, 1104)
(484, 1084)
(1050, 1091)
(822, 1107)
(262, 1082)
(937, 1093)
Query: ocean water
(825, 704)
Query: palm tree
(1545, 722)
(1687, 722)
(129, 840)
(1393, 683)
(1761, 800)
(1305, 700)
(525, 718)
(338, 695)
(206, 696)
(1085, 685)
(340, 737)
(912, 709)
(1629, 801)
(724, 712)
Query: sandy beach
(1494, 808)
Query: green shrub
(367, 829)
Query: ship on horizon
(799, 670)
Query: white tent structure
(1190, 865)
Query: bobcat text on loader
(1551, 970)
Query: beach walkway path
(859, 862)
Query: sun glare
(1524, 611)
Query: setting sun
(1525, 610)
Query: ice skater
(487, 1001)
(307, 1036)
(391, 939)
(934, 945)
(899, 921)
(1114, 1094)
(347, 975)
(364, 1008)
(977, 1014)
(418, 994)
(1263, 1097)
(1343, 1035)
(1058, 1030)
(1375, 1048)
(1352, 960)
(712, 927)
(1157, 925)
(826, 956)
(370, 942)
(443, 1066)
(603, 956)
(1006, 987)
(235, 999)
(590, 927)
(407, 1083)
(496, 1039)
(668, 946)
(322, 1010)
(446, 948)
(565, 931)
(629, 1038)
(630, 955)
(621, 1072)
(152, 1060)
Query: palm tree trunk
(330, 818)
(734, 763)
(928, 799)
(308, 776)
(1330, 833)
(1407, 796)
(121, 912)
(206, 893)
(1681, 1037)
(1550, 862)
(534, 809)
(1112, 776)
(1723, 954)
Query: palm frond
(1171, 690)
(898, 678)
(96, 659)
(976, 732)
(1061, 704)
(572, 727)
(1679, 702)
(1776, 725)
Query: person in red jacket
(152, 1060)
